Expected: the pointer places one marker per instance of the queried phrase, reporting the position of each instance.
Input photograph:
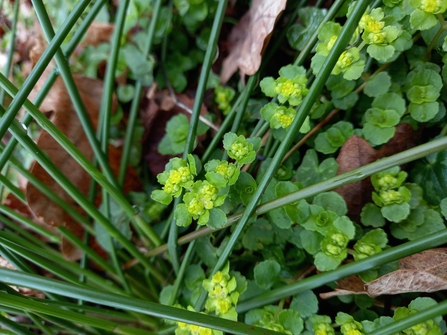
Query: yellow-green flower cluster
(202, 198)
(424, 328)
(364, 250)
(374, 29)
(348, 326)
(241, 149)
(321, 325)
(189, 329)
(388, 187)
(178, 174)
(222, 294)
(335, 243)
(221, 173)
(223, 97)
(430, 6)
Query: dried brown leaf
(250, 36)
(355, 153)
(65, 118)
(405, 281)
(425, 271)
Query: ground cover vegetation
(223, 167)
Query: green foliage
(381, 120)
(333, 138)
(174, 141)
(285, 321)
(223, 97)
(241, 149)
(266, 273)
(298, 34)
(311, 171)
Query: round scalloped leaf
(376, 135)
(331, 201)
(344, 224)
(382, 53)
(423, 112)
(266, 273)
(372, 216)
(396, 212)
(268, 86)
(217, 219)
(181, 215)
(420, 94)
(390, 101)
(422, 20)
(161, 197)
(324, 262)
(377, 85)
(376, 237)
(291, 71)
(311, 241)
(382, 118)
(305, 303)
(291, 321)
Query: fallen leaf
(66, 120)
(425, 271)
(357, 152)
(250, 36)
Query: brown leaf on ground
(250, 36)
(425, 271)
(156, 112)
(345, 286)
(65, 118)
(357, 152)
(97, 33)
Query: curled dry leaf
(357, 152)
(425, 271)
(250, 36)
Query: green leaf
(305, 303)
(376, 237)
(246, 186)
(382, 118)
(443, 207)
(268, 86)
(194, 275)
(396, 212)
(217, 219)
(299, 34)
(381, 52)
(311, 172)
(320, 220)
(125, 93)
(161, 197)
(258, 235)
(266, 273)
(331, 201)
(344, 224)
(166, 295)
(291, 321)
(376, 135)
(181, 215)
(311, 240)
(431, 173)
(372, 216)
(378, 85)
(280, 218)
(390, 101)
(324, 262)
(422, 20)
(292, 71)
(423, 112)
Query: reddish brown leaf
(354, 153)
(250, 36)
(65, 118)
(348, 285)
